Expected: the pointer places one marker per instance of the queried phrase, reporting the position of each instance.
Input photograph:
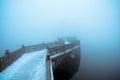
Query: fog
(94, 22)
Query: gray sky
(34, 21)
(94, 22)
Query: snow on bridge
(30, 66)
(40, 62)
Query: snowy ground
(30, 66)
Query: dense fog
(95, 22)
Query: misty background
(95, 22)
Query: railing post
(49, 72)
(3, 62)
(7, 53)
(1, 66)
(48, 76)
(23, 46)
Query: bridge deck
(28, 67)
(38, 64)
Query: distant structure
(62, 59)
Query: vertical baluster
(1, 64)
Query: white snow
(66, 42)
(30, 66)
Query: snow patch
(66, 42)
(30, 66)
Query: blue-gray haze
(95, 22)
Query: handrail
(62, 48)
(57, 52)
(49, 71)
(10, 57)
(60, 54)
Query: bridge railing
(10, 57)
(61, 48)
(33, 48)
(53, 48)
(61, 51)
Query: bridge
(62, 58)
